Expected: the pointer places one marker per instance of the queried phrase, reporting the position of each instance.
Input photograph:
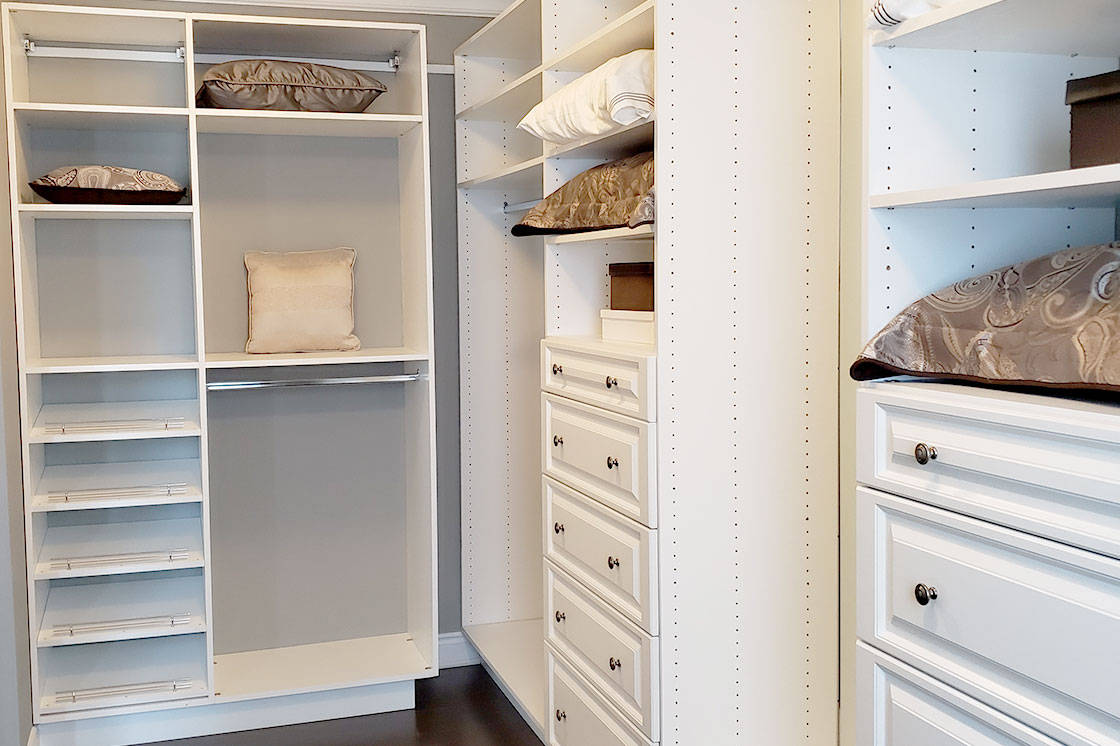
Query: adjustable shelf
(100, 421)
(123, 610)
(219, 360)
(629, 140)
(516, 179)
(515, 33)
(111, 363)
(630, 32)
(1013, 26)
(117, 485)
(101, 117)
(106, 212)
(104, 675)
(94, 550)
(309, 123)
(641, 233)
(510, 103)
(1082, 187)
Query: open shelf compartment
(126, 608)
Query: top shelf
(514, 34)
(1085, 27)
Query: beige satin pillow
(301, 301)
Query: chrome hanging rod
(178, 55)
(297, 383)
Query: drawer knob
(557, 441)
(923, 454)
(612, 382)
(613, 563)
(612, 462)
(615, 664)
(560, 616)
(557, 370)
(558, 527)
(561, 715)
(924, 594)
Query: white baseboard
(456, 651)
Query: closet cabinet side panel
(501, 322)
(748, 254)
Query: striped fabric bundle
(889, 13)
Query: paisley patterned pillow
(1052, 321)
(107, 185)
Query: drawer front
(604, 455)
(618, 657)
(608, 379)
(1024, 624)
(613, 556)
(580, 716)
(1049, 470)
(899, 706)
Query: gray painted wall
(444, 35)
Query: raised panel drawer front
(1047, 466)
(1025, 625)
(900, 706)
(580, 716)
(612, 555)
(618, 657)
(604, 455)
(615, 376)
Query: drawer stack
(989, 568)
(600, 546)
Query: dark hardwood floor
(462, 707)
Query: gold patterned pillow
(1052, 321)
(107, 185)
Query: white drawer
(613, 556)
(1026, 625)
(580, 716)
(604, 455)
(1047, 466)
(899, 706)
(614, 376)
(618, 657)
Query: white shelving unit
(966, 170)
(144, 593)
(726, 459)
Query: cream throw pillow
(301, 301)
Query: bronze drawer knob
(923, 453)
(924, 594)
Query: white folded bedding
(616, 94)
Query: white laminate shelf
(110, 363)
(628, 33)
(117, 485)
(641, 233)
(1098, 186)
(106, 212)
(98, 117)
(222, 360)
(632, 31)
(97, 550)
(304, 669)
(123, 610)
(634, 138)
(520, 178)
(513, 653)
(514, 34)
(510, 103)
(104, 421)
(1085, 27)
(306, 123)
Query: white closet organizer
(560, 418)
(967, 170)
(217, 540)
